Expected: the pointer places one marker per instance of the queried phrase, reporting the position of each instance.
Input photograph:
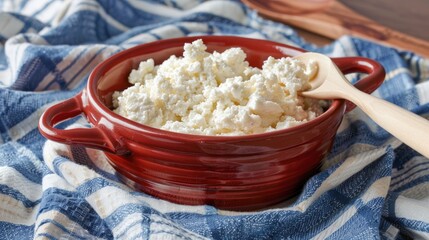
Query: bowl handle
(368, 84)
(92, 137)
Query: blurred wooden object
(339, 19)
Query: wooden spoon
(330, 83)
(333, 19)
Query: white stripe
(61, 13)
(47, 80)
(131, 232)
(15, 180)
(50, 12)
(108, 199)
(44, 13)
(357, 115)
(55, 181)
(378, 189)
(258, 35)
(122, 228)
(420, 212)
(423, 92)
(418, 235)
(169, 229)
(225, 9)
(195, 26)
(391, 232)
(356, 149)
(8, 6)
(51, 150)
(419, 191)
(160, 10)
(138, 39)
(9, 25)
(424, 68)
(27, 125)
(167, 31)
(15, 51)
(103, 14)
(343, 47)
(33, 6)
(397, 72)
(169, 207)
(14, 211)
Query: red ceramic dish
(229, 172)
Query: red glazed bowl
(229, 172)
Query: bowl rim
(110, 62)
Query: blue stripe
(72, 205)
(414, 224)
(2, 40)
(174, 4)
(122, 212)
(93, 185)
(183, 29)
(39, 64)
(34, 142)
(15, 231)
(4, 131)
(22, 5)
(352, 135)
(134, 16)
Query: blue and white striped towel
(370, 187)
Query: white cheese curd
(218, 94)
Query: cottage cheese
(218, 94)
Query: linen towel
(371, 186)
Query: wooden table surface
(407, 16)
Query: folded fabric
(371, 186)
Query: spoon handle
(408, 127)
